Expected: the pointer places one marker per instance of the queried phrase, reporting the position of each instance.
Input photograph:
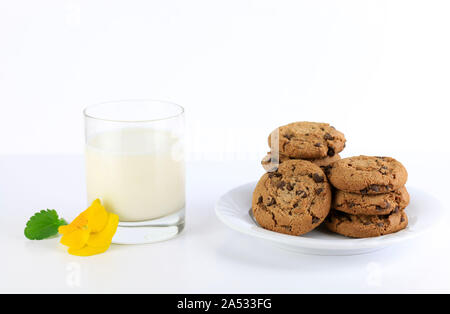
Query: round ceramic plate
(234, 210)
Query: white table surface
(208, 257)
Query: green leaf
(43, 224)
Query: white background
(377, 70)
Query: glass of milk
(135, 165)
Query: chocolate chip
(290, 187)
(274, 174)
(396, 209)
(328, 137)
(326, 169)
(317, 144)
(387, 204)
(319, 190)
(315, 220)
(260, 199)
(288, 136)
(380, 224)
(330, 152)
(272, 202)
(317, 178)
(379, 208)
(343, 216)
(375, 188)
(301, 193)
(295, 205)
(402, 219)
(281, 184)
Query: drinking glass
(135, 166)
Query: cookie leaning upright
(294, 200)
(307, 140)
(368, 175)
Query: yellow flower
(91, 232)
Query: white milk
(138, 173)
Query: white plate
(233, 209)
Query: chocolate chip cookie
(293, 200)
(270, 163)
(365, 204)
(363, 226)
(307, 140)
(367, 175)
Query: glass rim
(171, 116)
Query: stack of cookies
(319, 143)
(370, 196)
(294, 196)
